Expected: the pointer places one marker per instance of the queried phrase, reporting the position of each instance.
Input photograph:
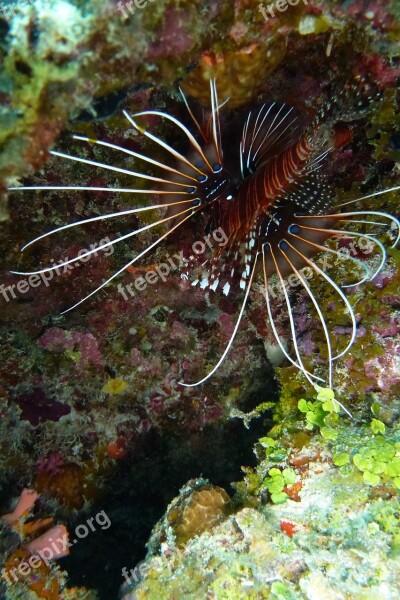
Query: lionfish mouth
(276, 215)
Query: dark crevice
(147, 480)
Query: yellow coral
(239, 72)
(114, 386)
(204, 508)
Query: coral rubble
(83, 394)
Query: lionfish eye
(202, 178)
(294, 229)
(217, 167)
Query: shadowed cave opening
(145, 482)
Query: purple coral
(51, 463)
(58, 340)
(36, 407)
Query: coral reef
(317, 518)
(66, 485)
(27, 563)
(371, 371)
(83, 395)
(251, 555)
(199, 507)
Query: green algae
(276, 481)
(384, 121)
(340, 545)
(370, 449)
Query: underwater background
(253, 485)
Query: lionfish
(276, 214)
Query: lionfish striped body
(278, 178)
(275, 215)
